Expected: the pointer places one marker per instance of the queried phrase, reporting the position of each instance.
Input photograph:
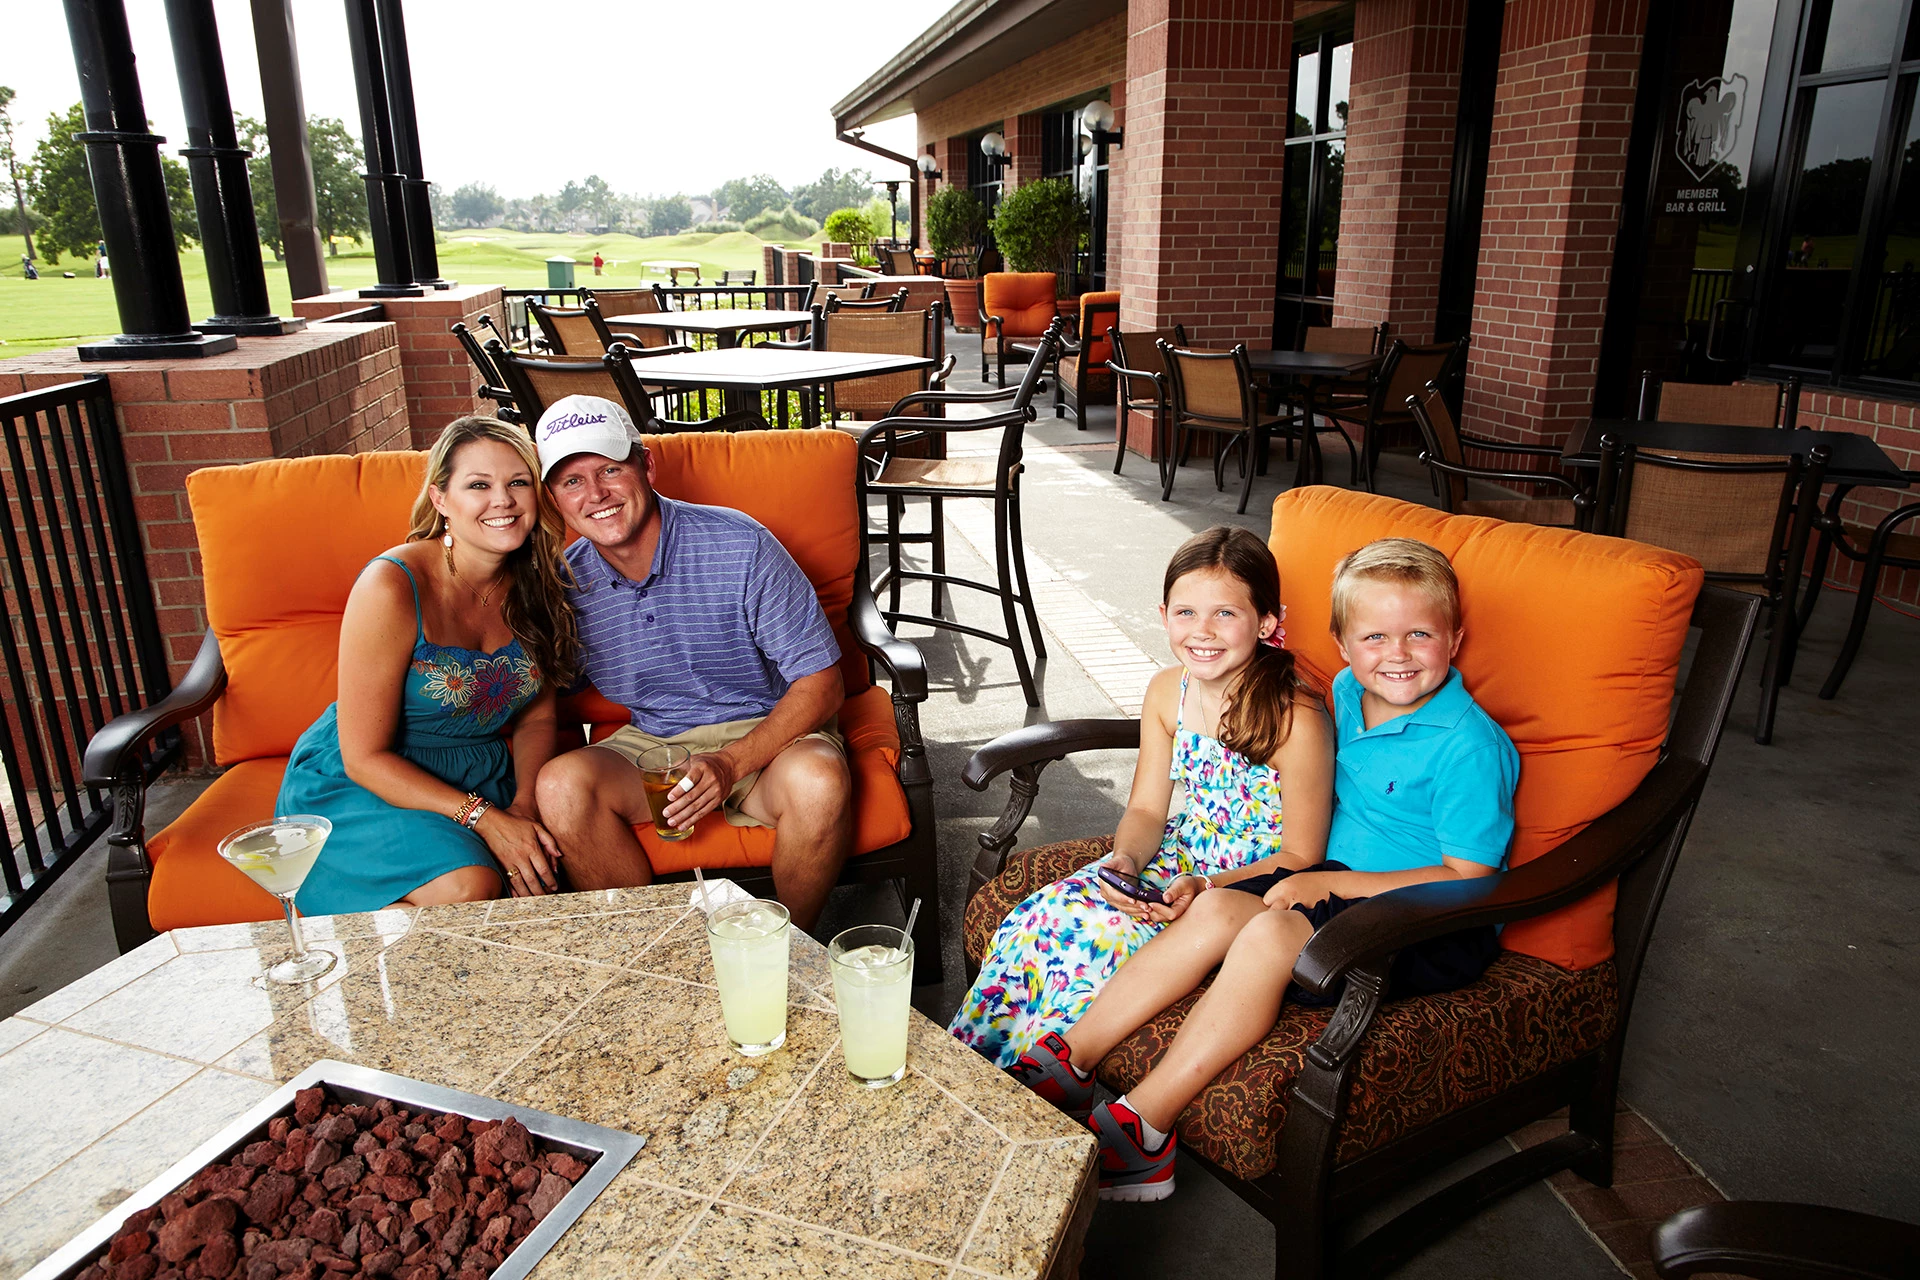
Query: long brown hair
(1259, 708)
(535, 608)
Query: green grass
(39, 315)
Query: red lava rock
(387, 1130)
(381, 1263)
(552, 1190)
(343, 1173)
(389, 1164)
(199, 1224)
(320, 1158)
(420, 1210)
(493, 1205)
(395, 1188)
(366, 1143)
(217, 1256)
(525, 1178)
(308, 1104)
(493, 1236)
(450, 1129)
(336, 1128)
(366, 1204)
(389, 1227)
(287, 1255)
(279, 1127)
(410, 1242)
(258, 1153)
(509, 1142)
(566, 1166)
(323, 1226)
(269, 1197)
(128, 1243)
(428, 1146)
(522, 1218)
(139, 1267)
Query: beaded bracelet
(464, 814)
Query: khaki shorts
(629, 743)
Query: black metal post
(392, 255)
(287, 148)
(222, 194)
(417, 204)
(130, 192)
(893, 209)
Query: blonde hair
(1402, 562)
(535, 608)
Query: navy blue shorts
(1445, 963)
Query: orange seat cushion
(1572, 642)
(1024, 300)
(192, 884)
(1098, 350)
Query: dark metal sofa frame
(113, 759)
(1308, 1198)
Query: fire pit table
(596, 1007)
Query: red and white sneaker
(1128, 1170)
(1047, 1070)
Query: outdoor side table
(1309, 368)
(737, 371)
(598, 1007)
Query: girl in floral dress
(1232, 723)
(451, 647)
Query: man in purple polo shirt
(698, 622)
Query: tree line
(591, 203)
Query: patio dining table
(1310, 368)
(738, 371)
(725, 325)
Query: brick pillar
(440, 378)
(1393, 213)
(1562, 111)
(1198, 204)
(334, 388)
(1023, 140)
(770, 264)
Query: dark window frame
(1291, 308)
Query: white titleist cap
(583, 424)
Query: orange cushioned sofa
(1573, 642)
(281, 544)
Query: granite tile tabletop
(598, 1006)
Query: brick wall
(1023, 140)
(333, 388)
(1404, 96)
(1563, 107)
(1895, 425)
(1084, 61)
(440, 377)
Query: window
(984, 175)
(1839, 296)
(1314, 164)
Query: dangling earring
(446, 540)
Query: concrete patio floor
(1774, 1040)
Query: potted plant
(1039, 227)
(957, 226)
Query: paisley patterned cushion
(1425, 1057)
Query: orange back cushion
(1098, 349)
(1572, 642)
(282, 542)
(1023, 299)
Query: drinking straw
(908, 931)
(706, 906)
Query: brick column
(1023, 140)
(1562, 112)
(440, 378)
(1393, 213)
(1198, 204)
(334, 388)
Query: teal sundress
(453, 706)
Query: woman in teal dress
(451, 647)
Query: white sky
(714, 89)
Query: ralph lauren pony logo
(1391, 786)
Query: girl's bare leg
(1238, 1009)
(1168, 967)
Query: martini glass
(276, 856)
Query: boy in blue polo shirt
(1423, 791)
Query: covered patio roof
(970, 42)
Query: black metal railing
(735, 297)
(81, 642)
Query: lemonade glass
(749, 941)
(277, 855)
(872, 967)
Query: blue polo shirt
(721, 628)
(1438, 782)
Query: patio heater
(130, 192)
(222, 193)
(893, 208)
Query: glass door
(1314, 166)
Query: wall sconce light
(929, 168)
(1097, 116)
(993, 146)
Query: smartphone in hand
(1131, 885)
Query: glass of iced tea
(662, 769)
